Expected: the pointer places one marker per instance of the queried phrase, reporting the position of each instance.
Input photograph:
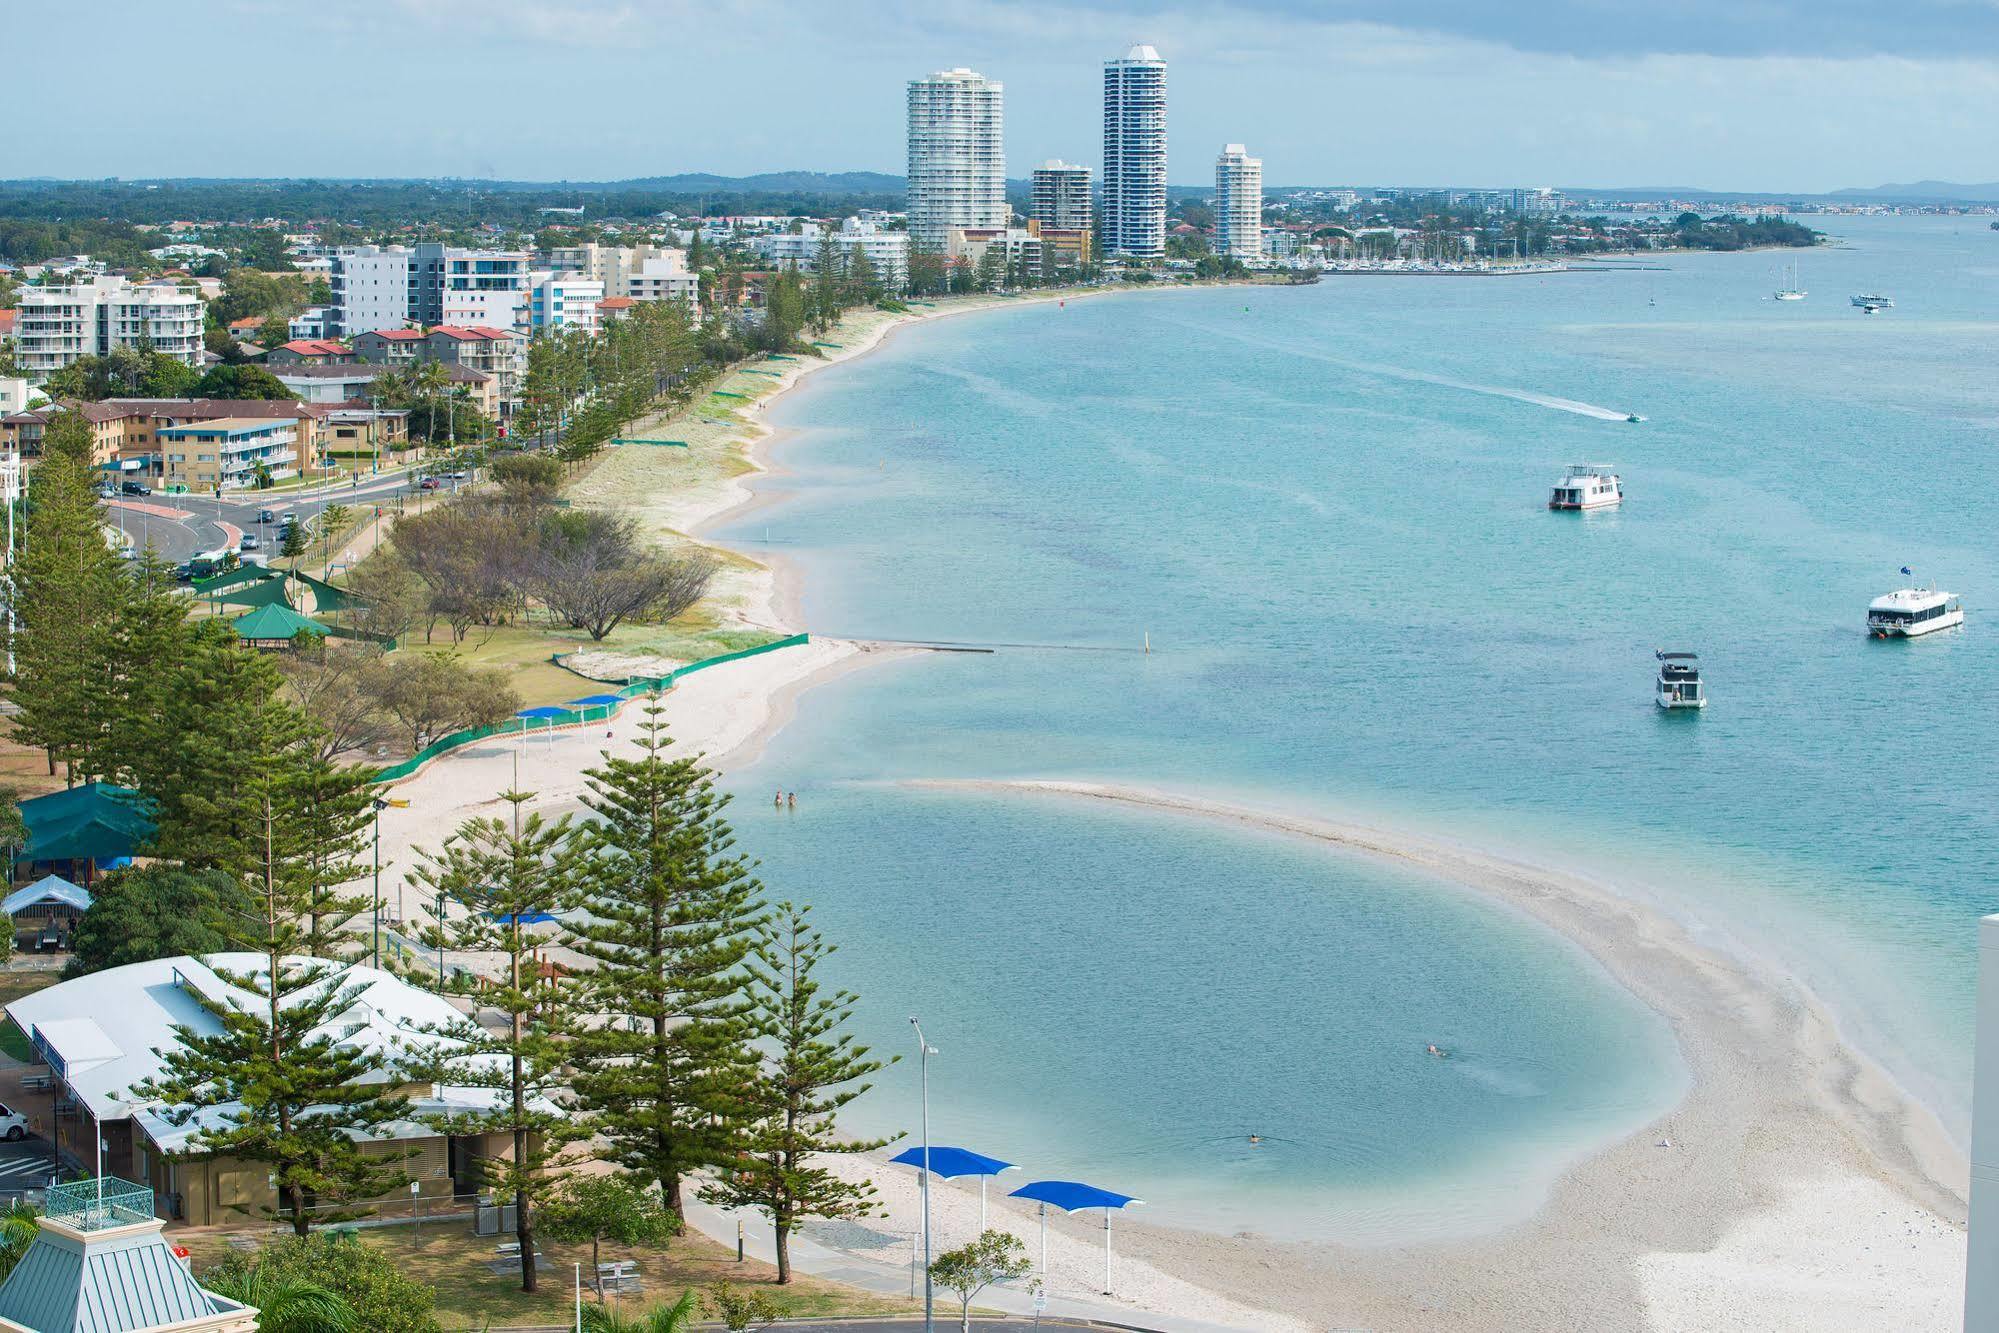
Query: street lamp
(924, 1051)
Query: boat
(1869, 304)
(1791, 291)
(1633, 418)
(1587, 486)
(1680, 680)
(1908, 613)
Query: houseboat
(1909, 612)
(1680, 681)
(1587, 486)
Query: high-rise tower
(957, 155)
(1061, 195)
(1135, 154)
(1238, 204)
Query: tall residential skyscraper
(1238, 203)
(957, 155)
(1135, 154)
(1061, 195)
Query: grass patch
(449, 1259)
(13, 985)
(15, 1042)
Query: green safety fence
(773, 356)
(774, 374)
(724, 393)
(514, 726)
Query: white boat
(1587, 486)
(1907, 613)
(1869, 304)
(1680, 681)
(1791, 291)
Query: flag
(1907, 570)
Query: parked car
(458, 476)
(266, 516)
(251, 541)
(136, 488)
(13, 1125)
(107, 492)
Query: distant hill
(701, 182)
(1925, 192)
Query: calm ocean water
(1326, 507)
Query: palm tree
(18, 1229)
(284, 1304)
(675, 1318)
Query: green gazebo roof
(276, 622)
(95, 822)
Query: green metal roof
(269, 624)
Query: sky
(1762, 95)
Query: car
(136, 488)
(266, 516)
(250, 542)
(457, 476)
(107, 492)
(430, 484)
(13, 1125)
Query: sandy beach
(1795, 1187)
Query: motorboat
(1587, 486)
(1680, 680)
(1867, 305)
(1908, 613)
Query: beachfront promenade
(870, 1274)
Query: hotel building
(1238, 204)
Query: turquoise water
(1325, 507)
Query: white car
(13, 1125)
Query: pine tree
(146, 634)
(494, 880)
(669, 912)
(275, 1084)
(813, 1070)
(66, 586)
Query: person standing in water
(791, 801)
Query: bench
(37, 1082)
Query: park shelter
(85, 829)
(50, 904)
(99, 1264)
(275, 626)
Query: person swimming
(1256, 1140)
(1438, 1051)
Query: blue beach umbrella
(522, 918)
(604, 701)
(950, 1163)
(1069, 1196)
(545, 711)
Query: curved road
(179, 527)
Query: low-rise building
(498, 353)
(665, 277)
(232, 453)
(887, 251)
(323, 385)
(1020, 247)
(311, 352)
(559, 302)
(102, 1036)
(317, 321)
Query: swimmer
(791, 801)
(1256, 1140)
(777, 801)
(1437, 1050)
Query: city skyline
(1802, 101)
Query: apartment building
(665, 277)
(563, 301)
(1020, 247)
(1239, 204)
(371, 288)
(1134, 218)
(886, 251)
(618, 267)
(497, 353)
(488, 288)
(314, 322)
(394, 286)
(957, 155)
(311, 352)
(1062, 196)
(1063, 248)
(57, 326)
(232, 453)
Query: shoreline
(1629, 1233)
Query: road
(24, 1164)
(179, 527)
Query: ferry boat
(1680, 680)
(1587, 486)
(1907, 613)
(1869, 304)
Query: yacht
(1909, 612)
(1680, 680)
(1791, 291)
(1587, 486)
(1870, 304)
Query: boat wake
(1528, 396)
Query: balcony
(100, 1204)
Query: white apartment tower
(1135, 155)
(1061, 196)
(957, 155)
(1238, 204)
(59, 325)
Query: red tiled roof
(7, 318)
(616, 303)
(394, 335)
(314, 346)
(247, 322)
(471, 333)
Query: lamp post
(924, 1051)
